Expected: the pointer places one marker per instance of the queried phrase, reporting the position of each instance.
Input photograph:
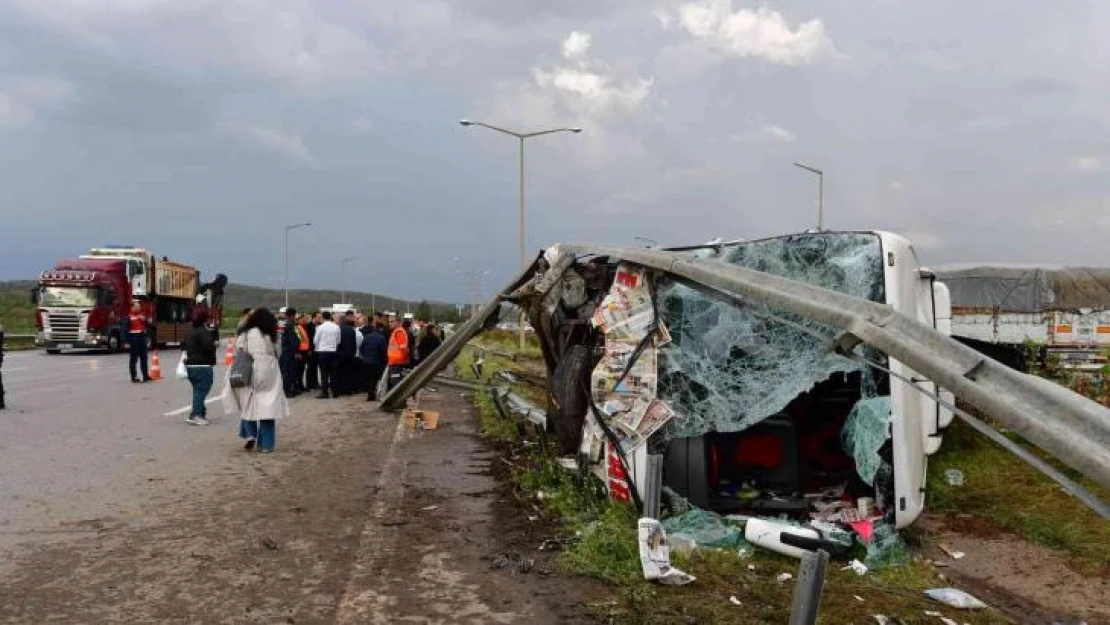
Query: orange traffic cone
(155, 367)
(229, 357)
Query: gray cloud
(198, 127)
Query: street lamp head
(465, 122)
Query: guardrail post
(653, 489)
(807, 591)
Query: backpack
(241, 368)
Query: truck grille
(64, 326)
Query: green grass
(604, 547)
(1008, 494)
(17, 314)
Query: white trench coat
(264, 398)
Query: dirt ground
(1029, 583)
(355, 519)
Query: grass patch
(1012, 496)
(602, 545)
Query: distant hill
(18, 314)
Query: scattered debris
(734, 601)
(655, 555)
(955, 555)
(784, 577)
(429, 508)
(519, 563)
(270, 543)
(394, 523)
(954, 477)
(954, 598)
(551, 545)
(704, 528)
(683, 544)
(859, 567)
(858, 598)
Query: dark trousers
(1, 389)
(201, 378)
(348, 370)
(326, 362)
(373, 377)
(396, 372)
(298, 372)
(138, 355)
(288, 365)
(311, 373)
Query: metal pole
(523, 247)
(821, 201)
(287, 229)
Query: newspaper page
(655, 555)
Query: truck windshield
(67, 296)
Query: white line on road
(190, 406)
(14, 369)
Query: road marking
(190, 406)
(14, 369)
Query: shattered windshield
(727, 367)
(67, 296)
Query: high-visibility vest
(398, 347)
(302, 335)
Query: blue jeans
(264, 431)
(201, 378)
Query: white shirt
(327, 337)
(358, 340)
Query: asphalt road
(78, 438)
(112, 509)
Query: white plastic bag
(182, 370)
(955, 598)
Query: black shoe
(322, 396)
(249, 444)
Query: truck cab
(80, 304)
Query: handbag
(241, 368)
(182, 371)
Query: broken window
(728, 367)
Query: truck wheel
(115, 345)
(570, 399)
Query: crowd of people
(292, 354)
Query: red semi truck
(82, 303)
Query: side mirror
(35, 296)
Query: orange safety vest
(302, 334)
(398, 347)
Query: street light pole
(820, 193)
(520, 136)
(287, 230)
(343, 277)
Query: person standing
(407, 325)
(430, 342)
(373, 353)
(304, 348)
(2, 406)
(261, 403)
(311, 376)
(327, 342)
(287, 331)
(137, 324)
(397, 352)
(243, 320)
(200, 362)
(348, 355)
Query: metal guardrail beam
(1072, 428)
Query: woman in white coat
(262, 403)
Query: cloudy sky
(199, 128)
